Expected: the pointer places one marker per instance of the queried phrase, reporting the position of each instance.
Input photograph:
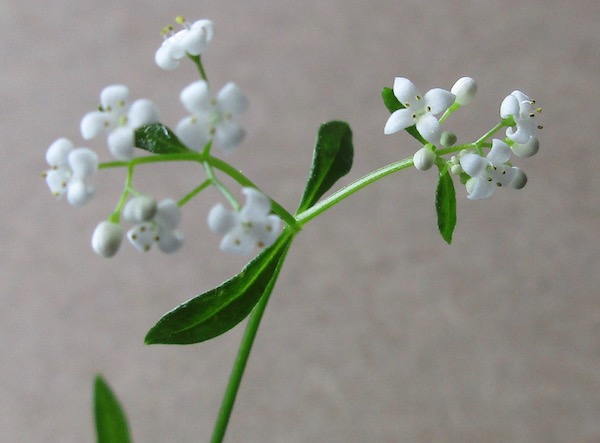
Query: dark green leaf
(220, 309)
(445, 205)
(332, 159)
(392, 103)
(111, 424)
(158, 139)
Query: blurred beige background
(378, 331)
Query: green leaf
(111, 424)
(332, 159)
(214, 312)
(392, 103)
(158, 139)
(445, 205)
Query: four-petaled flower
(154, 223)
(243, 230)
(192, 39)
(211, 119)
(489, 172)
(520, 107)
(120, 120)
(70, 168)
(419, 110)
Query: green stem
(305, 216)
(235, 378)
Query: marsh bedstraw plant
(260, 225)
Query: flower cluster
(211, 123)
(480, 173)
(119, 120)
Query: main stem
(235, 378)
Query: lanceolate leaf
(392, 103)
(220, 309)
(445, 205)
(158, 139)
(332, 159)
(111, 424)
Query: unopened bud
(424, 159)
(107, 238)
(464, 89)
(448, 138)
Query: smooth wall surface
(377, 331)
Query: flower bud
(520, 179)
(527, 149)
(448, 138)
(464, 89)
(106, 239)
(424, 159)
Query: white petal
(95, 123)
(194, 42)
(267, 231)
(239, 242)
(503, 175)
(195, 97)
(106, 239)
(519, 180)
(499, 154)
(58, 152)
(121, 143)
(83, 162)
(140, 209)
(526, 128)
(438, 100)
(478, 188)
(509, 107)
(114, 98)
(206, 26)
(429, 127)
(142, 112)
(57, 180)
(405, 91)
(221, 220)
(228, 135)
(163, 58)
(194, 132)
(527, 149)
(168, 214)
(257, 205)
(170, 241)
(473, 164)
(79, 192)
(399, 120)
(142, 236)
(231, 100)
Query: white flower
(211, 119)
(531, 147)
(464, 89)
(489, 172)
(419, 110)
(252, 226)
(107, 238)
(120, 120)
(192, 39)
(520, 107)
(70, 169)
(154, 223)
